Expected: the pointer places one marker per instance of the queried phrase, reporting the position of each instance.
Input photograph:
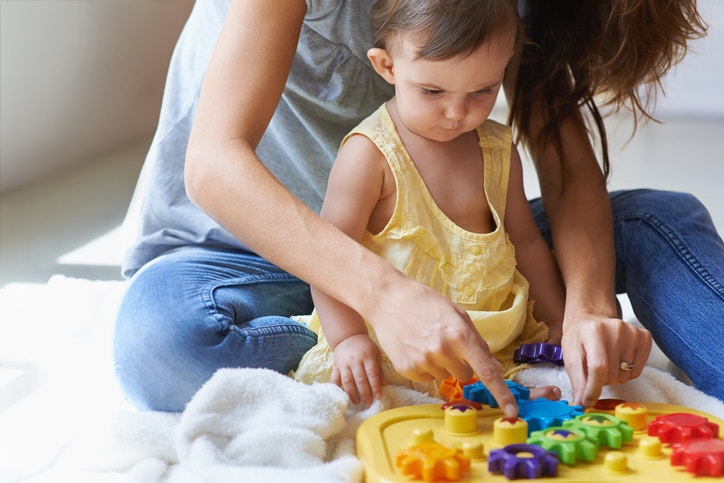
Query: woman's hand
(598, 351)
(427, 337)
(576, 202)
(357, 368)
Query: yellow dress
(475, 270)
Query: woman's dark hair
(577, 52)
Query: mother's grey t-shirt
(330, 89)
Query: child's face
(442, 99)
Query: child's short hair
(447, 28)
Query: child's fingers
(373, 369)
(363, 385)
(348, 384)
(354, 385)
(335, 378)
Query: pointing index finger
(489, 371)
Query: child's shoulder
(378, 121)
(495, 132)
(377, 127)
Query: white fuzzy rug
(62, 417)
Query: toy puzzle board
(385, 435)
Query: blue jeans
(195, 310)
(670, 263)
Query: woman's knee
(172, 332)
(658, 204)
(152, 340)
(162, 372)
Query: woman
(237, 172)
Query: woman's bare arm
(595, 340)
(573, 190)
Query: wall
(79, 78)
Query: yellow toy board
(428, 443)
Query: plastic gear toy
(538, 353)
(451, 389)
(479, 393)
(469, 445)
(523, 461)
(568, 443)
(702, 458)
(541, 413)
(462, 402)
(608, 404)
(607, 430)
(433, 461)
(682, 428)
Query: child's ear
(382, 63)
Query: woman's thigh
(670, 263)
(196, 310)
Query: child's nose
(456, 110)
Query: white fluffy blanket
(63, 418)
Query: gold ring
(625, 366)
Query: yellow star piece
(433, 461)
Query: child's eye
(483, 92)
(431, 92)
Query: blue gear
(479, 393)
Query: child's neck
(412, 138)
(453, 174)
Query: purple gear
(539, 352)
(537, 462)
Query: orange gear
(433, 461)
(451, 389)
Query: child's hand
(357, 368)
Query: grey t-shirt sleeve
(331, 88)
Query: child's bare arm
(533, 256)
(354, 188)
(356, 366)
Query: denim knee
(171, 337)
(676, 208)
(678, 221)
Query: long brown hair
(577, 52)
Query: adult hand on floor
(598, 351)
